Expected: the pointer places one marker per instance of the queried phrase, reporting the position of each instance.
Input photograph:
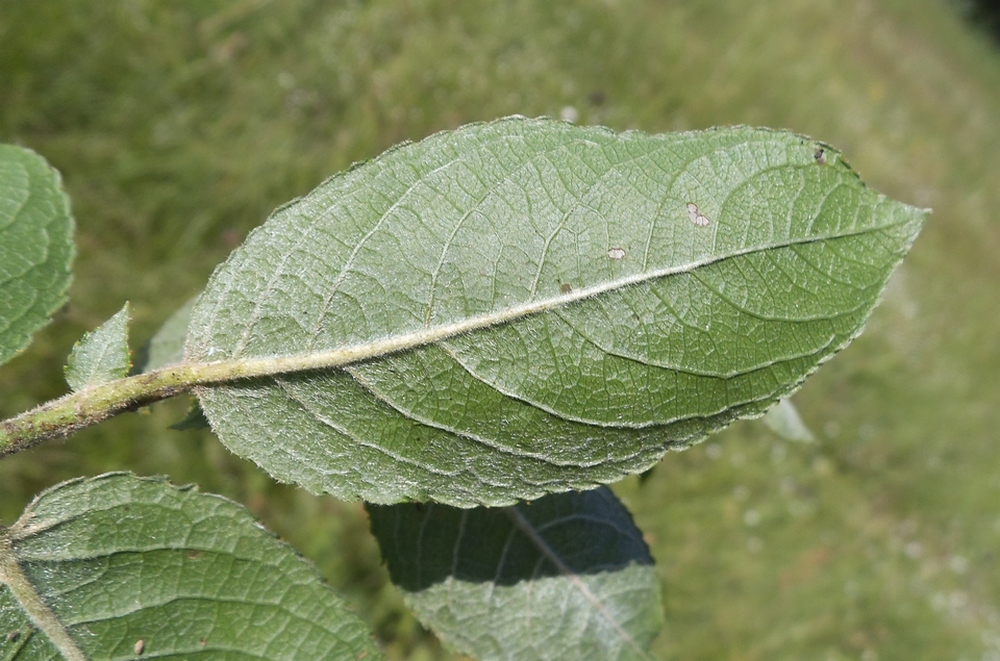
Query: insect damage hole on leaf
(696, 216)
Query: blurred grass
(179, 126)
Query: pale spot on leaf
(616, 253)
(696, 216)
(139, 647)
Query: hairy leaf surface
(565, 577)
(101, 355)
(119, 567)
(36, 246)
(531, 307)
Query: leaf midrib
(24, 592)
(240, 368)
(99, 402)
(528, 529)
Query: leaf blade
(102, 354)
(121, 559)
(36, 246)
(552, 279)
(565, 577)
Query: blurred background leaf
(36, 246)
(179, 126)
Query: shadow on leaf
(568, 533)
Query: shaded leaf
(565, 577)
(534, 307)
(101, 355)
(193, 419)
(36, 246)
(166, 347)
(119, 565)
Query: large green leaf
(565, 577)
(533, 306)
(36, 246)
(115, 567)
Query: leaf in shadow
(565, 577)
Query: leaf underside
(593, 298)
(565, 577)
(36, 246)
(132, 566)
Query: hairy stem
(61, 417)
(97, 403)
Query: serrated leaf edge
(95, 376)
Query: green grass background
(178, 126)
